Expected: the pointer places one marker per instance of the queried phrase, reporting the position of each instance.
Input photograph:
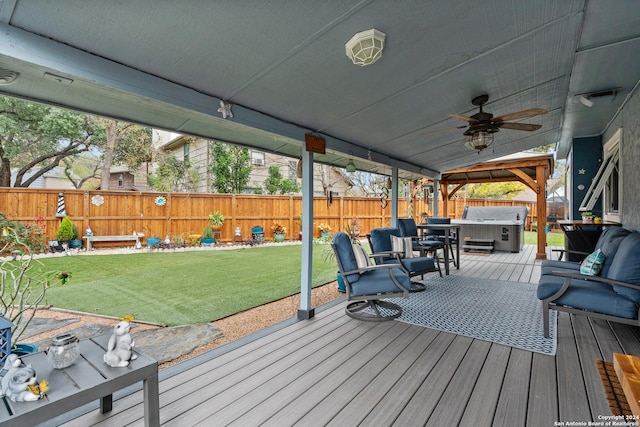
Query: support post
(305, 311)
(394, 196)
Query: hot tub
(503, 225)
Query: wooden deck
(333, 370)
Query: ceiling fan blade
(429, 132)
(520, 126)
(465, 118)
(532, 112)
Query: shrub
(65, 231)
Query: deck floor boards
(333, 370)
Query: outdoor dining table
(451, 233)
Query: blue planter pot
(75, 244)
(22, 349)
(325, 234)
(341, 286)
(207, 242)
(278, 237)
(153, 241)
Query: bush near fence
(125, 212)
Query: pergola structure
(533, 171)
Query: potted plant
(207, 238)
(216, 219)
(75, 243)
(325, 230)
(65, 231)
(279, 232)
(22, 286)
(587, 217)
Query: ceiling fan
(482, 126)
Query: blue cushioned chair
(608, 243)
(383, 253)
(368, 286)
(613, 296)
(439, 235)
(408, 228)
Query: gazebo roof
(509, 168)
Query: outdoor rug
(506, 313)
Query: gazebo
(531, 169)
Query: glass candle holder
(63, 351)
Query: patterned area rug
(506, 313)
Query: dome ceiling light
(365, 47)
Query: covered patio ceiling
(282, 67)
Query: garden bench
(127, 238)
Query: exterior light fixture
(478, 140)
(365, 47)
(351, 167)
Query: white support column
(394, 197)
(306, 311)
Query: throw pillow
(403, 245)
(362, 259)
(592, 264)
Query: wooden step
(481, 247)
(628, 372)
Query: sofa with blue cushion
(613, 294)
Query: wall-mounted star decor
(225, 109)
(582, 171)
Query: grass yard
(177, 288)
(553, 239)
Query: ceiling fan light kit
(482, 126)
(478, 141)
(365, 47)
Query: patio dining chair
(381, 242)
(368, 286)
(439, 235)
(409, 228)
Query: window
(185, 151)
(257, 158)
(120, 180)
(607, 182)
(293, 166)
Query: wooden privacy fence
(126, 212)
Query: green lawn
(553, 239)
(177, 288)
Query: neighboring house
(196, 150)
(55, 178)
(120, 178)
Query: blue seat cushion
(407, 227)
(588, 295)
(419, 264)
(344, 251)
(608, 243)
(626, 266)
(554, 265)
(379, 282)
(381, 239)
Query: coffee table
(86, 380)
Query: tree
(173, 175)
(36, 138)
(126, 144)
(275, 183)
(495, 190)
(370, 184)
(230, 167)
